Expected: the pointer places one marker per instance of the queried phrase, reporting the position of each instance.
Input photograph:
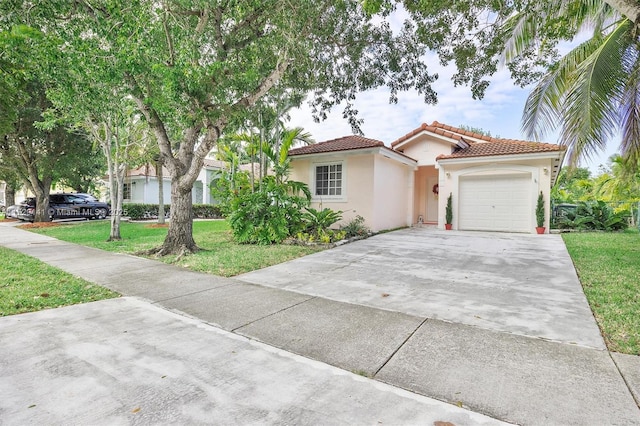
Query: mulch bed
(157, 225)
(39, 225)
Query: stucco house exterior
(141, 184)
(494, 182)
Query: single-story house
(141, 184)
(494, 182)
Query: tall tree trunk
(116, 172)
(179, 238)
(9, 195)
(160, 176)
(628, 8)
(117, 198)
(41, 190)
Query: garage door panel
(495, 203)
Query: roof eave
(519, 156)
(382, 150)
(411, 139)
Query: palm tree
(593, 92)
(277, 150)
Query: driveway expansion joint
(635, 397)
(192, 293)
(271, 314)
(399, 347)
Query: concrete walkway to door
(515, 283)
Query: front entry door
(432, 200)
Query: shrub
(320, 220)
(227, 186)
(355, 228)
(449, 210)
(271, 214)
(137, 211)
(207, 211)
(594, 215)
(540, 211)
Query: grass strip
(608, 265)
(29, 285)
(221, 255)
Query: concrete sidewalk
(508, 377)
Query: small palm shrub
(320, 219)
(317, 224)
(355, 228)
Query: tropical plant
(540, 210)
(320, 219)
(227, 185)
(621, 181)
(270, 214)
(448, 214)
(592, 92)
(355, 228)
(573, 184)
(277, 151)
(594, 215)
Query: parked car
(67, 206)
(15, 210)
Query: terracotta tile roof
(210, 162)
(147, 170)
(346, 143)
(509, 147)
(484, 145)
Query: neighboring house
(141, 184)
(494, 182)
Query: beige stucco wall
(426, 148)
(393, 182)
(539, 169)
(385, 208)
(358, 174)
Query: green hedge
(150, 211)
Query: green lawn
(608, 265)
(30, 285)
(222, 256)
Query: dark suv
(67, 206)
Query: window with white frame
(329, 180)
(126, 191)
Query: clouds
(499, 112)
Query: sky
(499, 112)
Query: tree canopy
(196, 68)
(591, 94)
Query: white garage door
(496, 203)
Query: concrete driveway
(516, 283)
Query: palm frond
(543, 108)
(590, 110)
(630, 107)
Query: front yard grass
(222, 256)
(30, 285)
(608, 265)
